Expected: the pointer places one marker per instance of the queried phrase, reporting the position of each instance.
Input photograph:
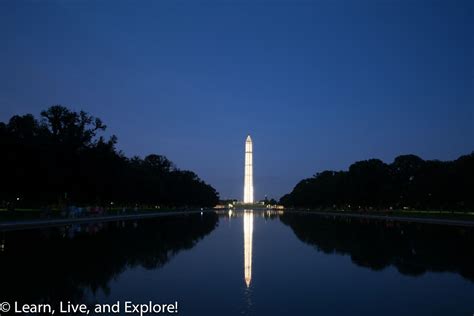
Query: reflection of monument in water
(248, 236)
(248, 179)
(248, 225)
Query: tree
(72, 128)
(407, 182)
(63, 159)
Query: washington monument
(248, 180)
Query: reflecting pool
(246, 263)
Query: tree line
(62, 158)
(409, 182)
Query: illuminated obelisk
(248, 180)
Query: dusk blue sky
(318, 84)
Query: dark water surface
(247, 263)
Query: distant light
(17, 198)
(202, 213)
(111, 203)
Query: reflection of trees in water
(51, 265)
(411, 247)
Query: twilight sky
(318, 84)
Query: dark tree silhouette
(407, 182)
(63, 159)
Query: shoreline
(396, 218)
(43, 223)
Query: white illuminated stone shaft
(248, 179)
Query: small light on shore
(17, 198)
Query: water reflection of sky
(251, 263)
